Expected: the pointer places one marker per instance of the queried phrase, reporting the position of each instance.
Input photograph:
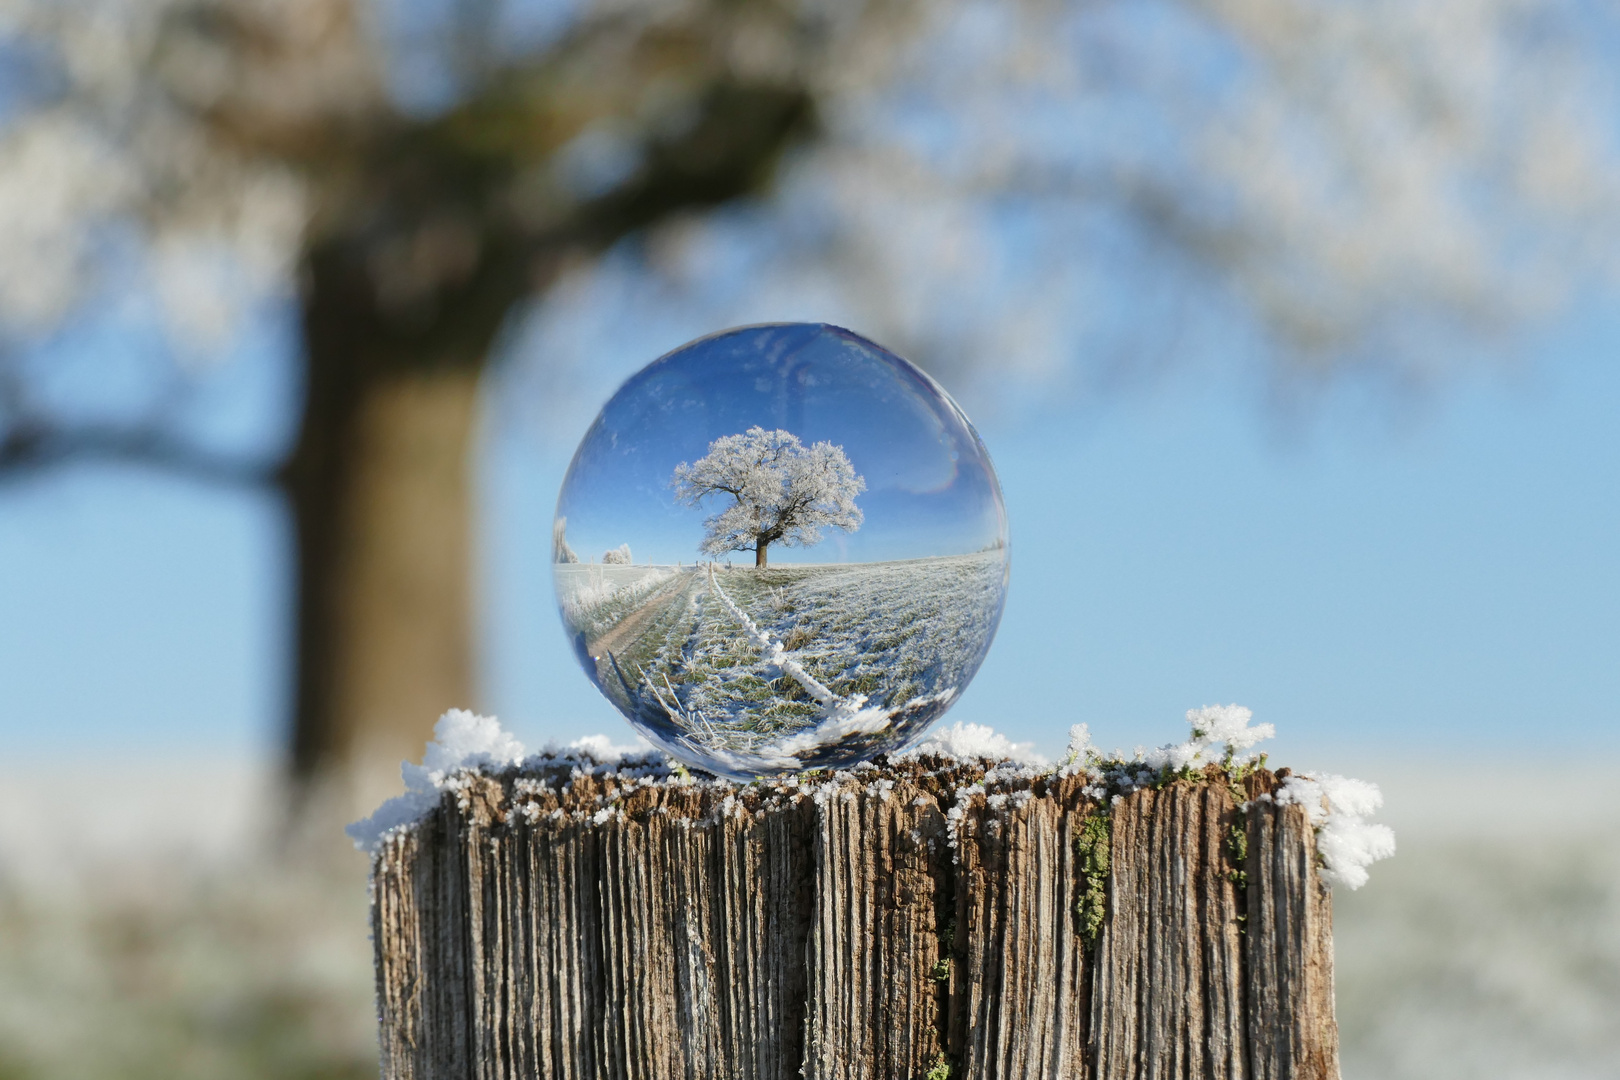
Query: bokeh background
(1290, 325)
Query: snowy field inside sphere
(746, 670)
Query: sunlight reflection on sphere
(780, 548)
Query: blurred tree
(983, 185)
(415, 235)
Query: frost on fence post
(956, 910)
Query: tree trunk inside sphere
(759, 556)
(916, 919)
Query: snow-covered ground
(151, 930)
(594, 596)
(1489, 946)
(140, 939)
(881, 649)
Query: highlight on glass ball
(780, 548)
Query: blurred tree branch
(26, 450)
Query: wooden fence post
(918, 919)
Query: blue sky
(1374, 580)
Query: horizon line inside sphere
(930, 489)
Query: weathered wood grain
(1022, 973)
(1168, 983)
(899, 921)
(1288, 948)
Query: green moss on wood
(1091, 856)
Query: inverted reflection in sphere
(779, 548)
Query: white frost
(461, 740)
(1339, 807)
(608, 752)
(1080, 751)
(1336, 806)
(1220, 734)
(965, 742)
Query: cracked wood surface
(886, 923)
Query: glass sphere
(779, 548)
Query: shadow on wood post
(909, 920)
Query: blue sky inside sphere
(930, 490)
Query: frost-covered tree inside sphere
(780, 492)
(878, 535)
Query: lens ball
(780, 548)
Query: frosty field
(751, 670)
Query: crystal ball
(780, 548)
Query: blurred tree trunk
(380, 490)
(415, 256)
(384, 534)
